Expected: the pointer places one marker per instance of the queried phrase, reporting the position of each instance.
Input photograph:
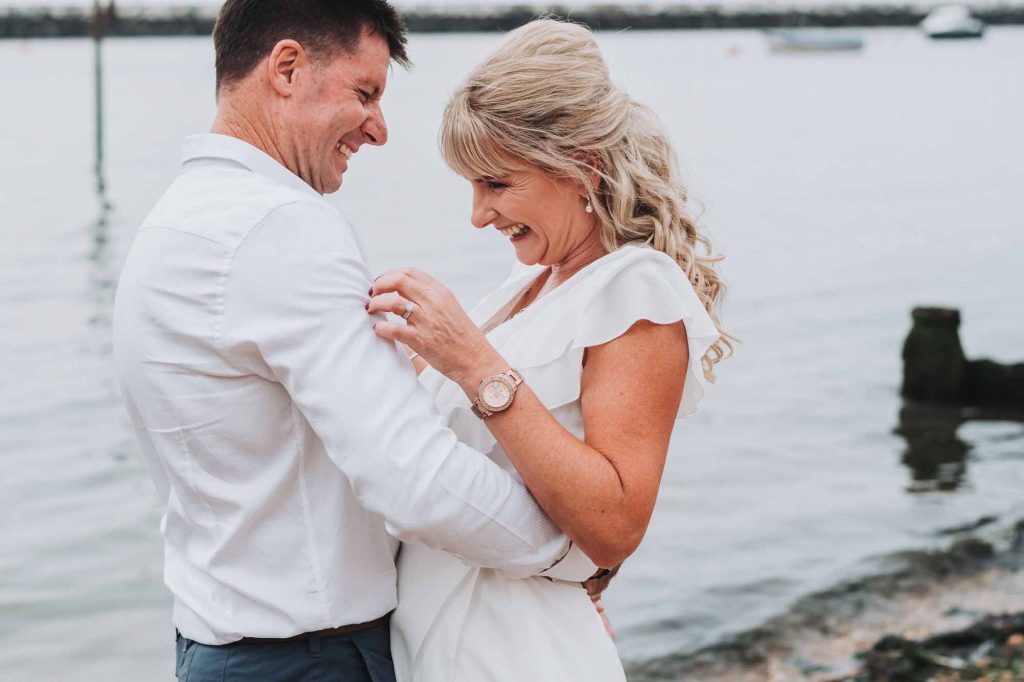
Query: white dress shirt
(287, 439)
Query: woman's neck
(556, 274)
(581, 257)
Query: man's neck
(233, 122)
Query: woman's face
(549, 215)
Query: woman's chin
(526, 256)
(527, 253)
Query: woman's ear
(594, 176)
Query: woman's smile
(517, 231)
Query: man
(286, 438)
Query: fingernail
(370, 292)
(367, 306)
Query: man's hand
(595, 588)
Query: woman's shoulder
(635, 263)
(637, 282)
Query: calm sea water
(844, 189)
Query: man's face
(337, 111)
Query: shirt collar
(211, 146)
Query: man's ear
(284, 64)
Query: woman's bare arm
(601, 492)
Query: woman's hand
(604, 617)
(438, 328)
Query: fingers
(387, 303)
(604, 618)
(608, 626)
(393, 331)
(408, 282)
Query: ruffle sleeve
(651, 287)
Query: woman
(612, 331)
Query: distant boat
(813, 40)
(952, 21)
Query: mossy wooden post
(99, 21)
(933, 359)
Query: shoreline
(989, 650)
(78, 22)
(849, 633)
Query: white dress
(461, 623)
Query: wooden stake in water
(98, 29)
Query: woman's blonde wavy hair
(545, 98)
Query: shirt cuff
(574, 566)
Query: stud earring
(588, 208)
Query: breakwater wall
(78, 22)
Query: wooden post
(933, 360)
(99, 18)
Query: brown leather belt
(329, 632)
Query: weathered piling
(933, 359)
(101, 19)
(935, 369)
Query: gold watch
(496, 393)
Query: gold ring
(409, 307)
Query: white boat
(952, 21)
(813, 40)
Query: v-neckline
(505, 313)
(502, 313)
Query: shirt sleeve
(294, 306)
(575, 567)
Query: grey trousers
(357, 657)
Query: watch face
(496, 394)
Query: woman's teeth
(514, 230)
(344, 150)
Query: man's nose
(375, 130)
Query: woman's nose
(482, 214)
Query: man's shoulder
(225, 204)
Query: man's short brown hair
(247, 30)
